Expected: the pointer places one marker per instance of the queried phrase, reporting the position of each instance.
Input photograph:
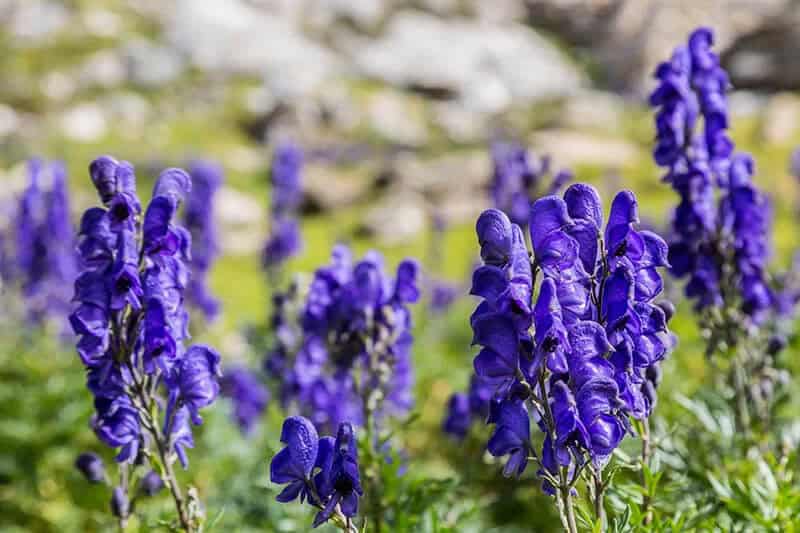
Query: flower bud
(668, 308)
(151, 484)
(776, 344)
(91, 466)
(120, 505)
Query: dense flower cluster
(322, 471)
(518, 177)
(597, 333)
(720, 228)
(44, 258)
(286, 178)
(351, 353)
(130, 318)
(207, 177)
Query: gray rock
(780, 122)
(85, 122)
(459, 123)
(593, 110)
(397, 219)
(327, 188)
(397, 118)
(9, 120)
(152, 65)
(460, 171)
(488, 65)
(242, 221)
(104, 69)
(237, 37)
(37, 20)
(570, 148)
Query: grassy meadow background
(200, 112)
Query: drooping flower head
(129, 315)
(720, 228)
(352, 337)
(596, 330)
(248, 394)
(322, 471)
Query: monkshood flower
(148, 387)
(720, 229)
(45, 257)
(350, 360)
(320, 471)
(286, 179)
(249, 396)
(581, 359)
(518, 177)
(207, 177)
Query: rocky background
(394, 100)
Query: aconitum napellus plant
(721, 229)
(132, 327)
(44, 259)
(284, 240)
(323, 472)
(198, 215)
(350, 361)
(576, 361)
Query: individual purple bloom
(151, 484)
(293, 465)
(91, 466)
(458, 420)
(207, 177)
(117, 424)
(511, 435)
(518, 178)
(285, 175)
(248, 395)
(180, 433)
(342, 485)
(120, 504)
(195, 384)
(284, 242)
(443, 295)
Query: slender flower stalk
(45, 258)
(720, 237)
(207, 177)
(148, 387)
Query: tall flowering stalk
(346, 356)
(207, 177)
(45, 258)
(720, 239)
(578, 359)
(286, 178)
(148, 387)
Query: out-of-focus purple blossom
(721, 227)
(45, 256)
(207, 177)
(443, 295)
(151, 483)
(352, 338)
(287, 192)
(248, 394)
(518, 178)
(91, 466)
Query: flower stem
(566, 505)
(646, 510)
(599, 497)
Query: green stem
(599, 497)
(566, 507)
(646, 510)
